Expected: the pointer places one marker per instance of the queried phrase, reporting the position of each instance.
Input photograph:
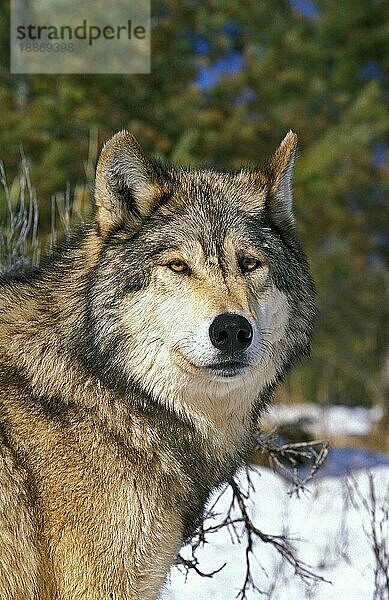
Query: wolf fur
(118, 415)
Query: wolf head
(201, 291)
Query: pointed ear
(126, 187)
(279, 172)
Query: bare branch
(286, 459)
(192, 564)
(377, 531)
(280, 542)
(236, 519)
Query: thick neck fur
(38, 316)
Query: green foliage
(324, 77)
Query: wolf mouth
(229, 368)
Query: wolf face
(204, 282)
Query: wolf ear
(126, 187)
(279, 172)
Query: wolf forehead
(210, 207)
(214, 193)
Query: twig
(286, 458)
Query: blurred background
(228, 80)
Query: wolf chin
(134, 364)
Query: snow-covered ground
(327, 420)
(331, 523)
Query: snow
(332, 525)
(327, 420)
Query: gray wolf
(134, 364)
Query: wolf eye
(249, 264)
(178, 266)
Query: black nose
(231, 333)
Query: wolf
(134, 365)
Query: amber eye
(178, 266)
(249, 264)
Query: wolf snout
(231, 333)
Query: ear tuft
(126, 185)
(280, 171)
